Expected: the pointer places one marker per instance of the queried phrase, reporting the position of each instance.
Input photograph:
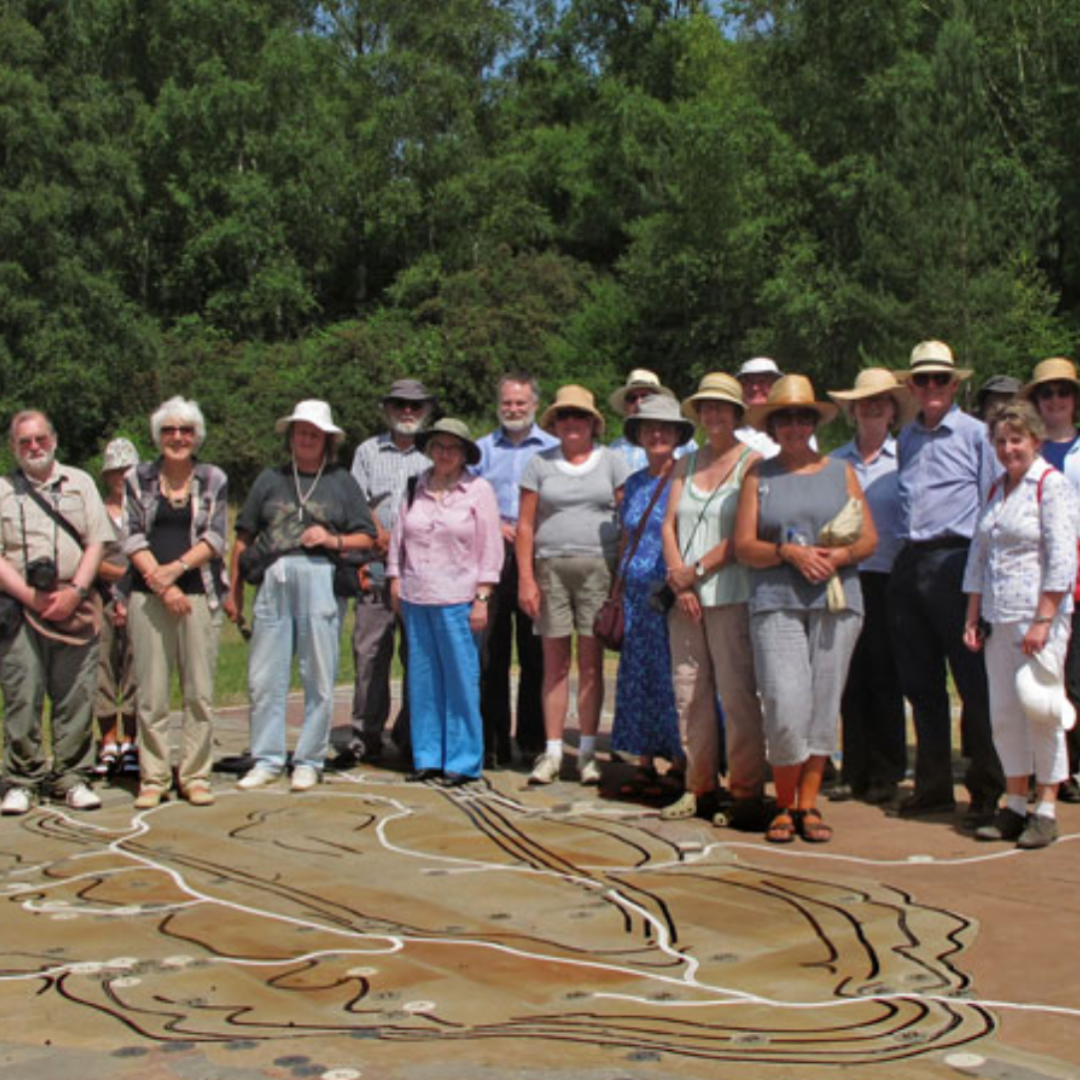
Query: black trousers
(872, 708)
(927, 608)
(507, 623)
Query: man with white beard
(53, 531)
(503, 456)
(383, 466)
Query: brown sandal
(781, 829)
(812, 828)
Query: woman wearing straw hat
(445, 557)
(803, 526)
(1054, 390)
(646, 724)
(709, 625)
(176, 536)
(1019, 578)
(872, 708)
(296, 519)
(567, 541)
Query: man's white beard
(521, 424)
(408, 428)
(40, 466)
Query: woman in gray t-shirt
(567, 540)
(802, 638)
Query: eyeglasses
(635, 396)
(446, 447)
(802, 417)
(936, 378)
(34, 440)
(1055, 390)
(187, 430)
(573, 414)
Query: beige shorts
(572, 589)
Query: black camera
(41, 574)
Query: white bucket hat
(314, 412)
(1042, 695)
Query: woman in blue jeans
(297, 517)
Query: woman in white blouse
(1019, 581)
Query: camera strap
(24, 487)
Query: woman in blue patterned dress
(646, 723)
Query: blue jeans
(295, 611)
(444, 688)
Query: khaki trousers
(164, 643)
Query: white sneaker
(80, 797)
(259, 776)
(546, 769)
(16, 801)
(304, 778)
(588, 769)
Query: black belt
(939, 543)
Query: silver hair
(27, 414)
(524, 379)
(180, 409)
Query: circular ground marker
(342, 1074)
(965, 1061)
(419, 1006)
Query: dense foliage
(251, 201)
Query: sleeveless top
(703, 519)
(792, 509)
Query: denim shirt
(209, 520)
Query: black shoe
(926, 805)
(840, 793)
(1069, 791)
(344, 761)
(1007, 825)
(880, 794)
(421, 776)
(455, 779)
(981, 811)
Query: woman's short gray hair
(184, 412)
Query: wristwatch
(699, 569)
(83, 592)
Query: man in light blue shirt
(503, 456)
(946, 467)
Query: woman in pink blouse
(446, 553)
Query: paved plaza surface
(377, 929)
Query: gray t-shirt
(792, 509)
(576, 512)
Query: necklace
(177, 497)
(302, 498)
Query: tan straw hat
(716, 386)
(790, 392)
(571, 397)
(934, 356)
(1056, 369)
(638, 379)
(871, 382)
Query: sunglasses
(573, 414)
(34, 440)
(402, 405)
(1055, 390)
(178, 429)
(936, 378)
(802, 417)
(638, 395)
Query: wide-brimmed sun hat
(408, 390)
(871, 382)
(313, 412)
(449, 426)
(934, 356)
(1056, 369)
(658, 409)
(638, 379)
(571, 396)
(715, 386)
(790, 392)
(759, 365)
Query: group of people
(764, 590)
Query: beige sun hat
(931, 356)
(1056, 369)
(716, 386)
(790, 392)
(871, 382)
(638, 379)
(313, 412)
(571, 396)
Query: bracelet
(1042, 620)
(184, 566)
